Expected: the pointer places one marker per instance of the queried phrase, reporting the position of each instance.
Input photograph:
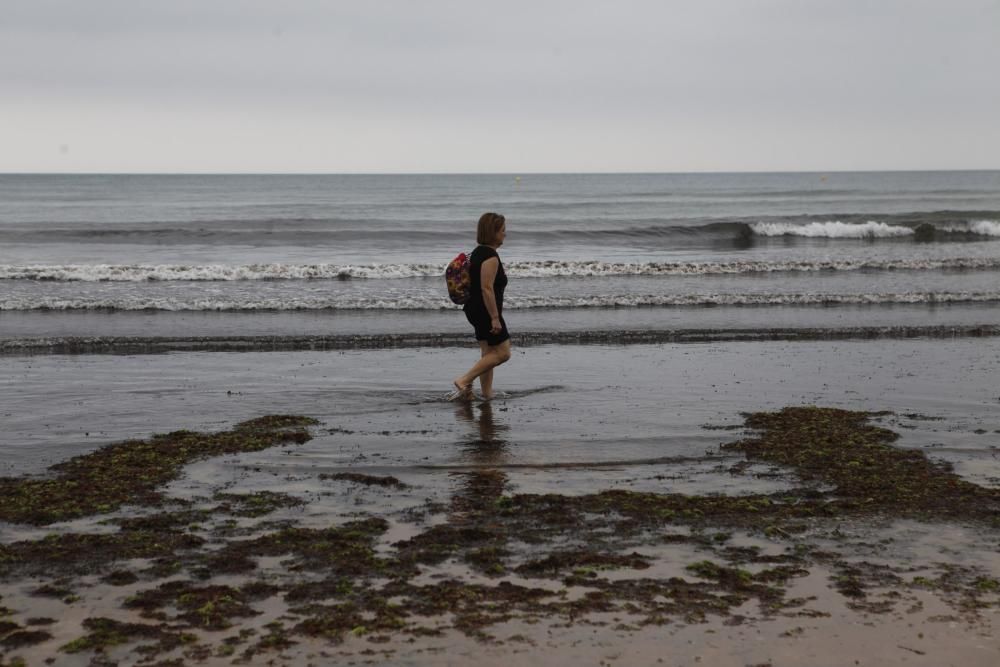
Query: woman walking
(484, 310)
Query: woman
(484, 310)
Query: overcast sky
(504, 86)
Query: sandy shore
(627, 513)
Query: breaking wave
(871, 229)
(536, 269)
(977, 227)
(832, 230)
(426, 302)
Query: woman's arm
(487, 275)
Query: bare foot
(462, 392)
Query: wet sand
(643, 423)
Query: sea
(287, 255)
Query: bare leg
(492, 356)
(486, 379)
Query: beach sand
(601, 511)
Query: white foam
(422, 302)
(538, 269)
(599, 269)
(985, 227)
(214, 272)
(641, 300)
(833, 229)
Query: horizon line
(485, 173)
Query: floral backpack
(459, 280)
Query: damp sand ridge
(164, 344)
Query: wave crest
(834, 230)
(536, 269)
(979, 228)
(872, 229)
(423, 302)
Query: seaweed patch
(130, 472)
(367, 480)
(104, 633)
(207, 607)
(551, 558)
(255, 504)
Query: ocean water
(164, 254)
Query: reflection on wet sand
(484, 444)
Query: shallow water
(565, 404)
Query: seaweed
(839, 447)
(83, 553)
(822, 446)
(347, 549)
(341, 582)
(104, 633)
(584, 558)
(21, 638)
(255, 504)
(130, 471)
(368, 480)
(206, 607)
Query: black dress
(475, 308)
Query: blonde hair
(489, 227)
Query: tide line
(158, 344)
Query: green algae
(130, 471)
(105, 633)
(489, 560)
(968, 589)
(206, 607)
(440, 542)
(83, 553)
(276, 639)
(734, 577)
(346, 549)
(401, 606)
(840, 447)
(330, 588)
(256, 504)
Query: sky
(431, 86)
